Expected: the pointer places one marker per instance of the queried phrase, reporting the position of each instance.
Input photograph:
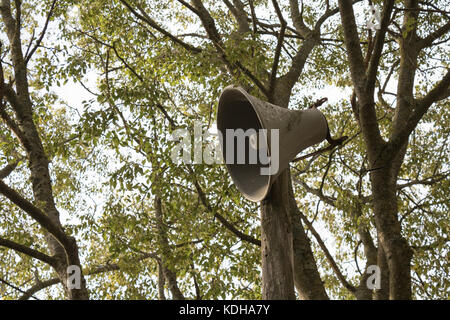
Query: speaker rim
(249, 99)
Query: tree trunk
(287, 258)
(161, 282)
(397, 251)
(383, 292)
(276, 243)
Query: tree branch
(141, 79)
(213, 34)
(428, 41)
(378, 46)
(327, 199)
(328, 255)
(187, 5)
(169, 273)
(276, 60)
(15, 288)
(90, 272)
(12, 97)
(12, 124)
(219, 217)
(297, 18)
(44, 30)
(36, 214)
(328, 13)
(286, 82)
(237, 10)
(352, 42)
(426, 182)
(8, 169)
(146, 18)
(367, 115)
(38, 287)
(254, 18)
(439, 92)
(333, 145)
(28, 251)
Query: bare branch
(378, 45)
(13, 31)
(297, 18)
(286, 82)
(439, 92)
(280, 40)
(367, 115)
(333, 144)
(352, 43)
(38, 287)
(8, 169)
(219, 217)
(15, 287)
(7, 91)
(44, 30)
(328, 255)
(388, 77)
(425, 182)
(436, 9)
(237, 10)
(36, 214)
(328, 13)
(254, 18)
(10, 23)
(327, 199)
(90, 272)
(146, 18)
(428, 41)
(424, 10)
(28, 251)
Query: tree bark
(277, 243)
(161, 282)
(383, 292)
(397, 251)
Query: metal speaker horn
(259, 139)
